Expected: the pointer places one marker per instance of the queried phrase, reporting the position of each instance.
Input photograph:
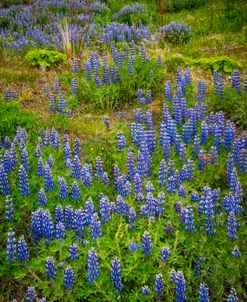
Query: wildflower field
(123, 150)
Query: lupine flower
(232, 297)
(9, 208)
(235, 252)
(11, 246)
(146, 244)
(236, 81)
(63, 188)
(169, 228)
(75, 66)
(148, 97)
(68, 217)
(8, 94)
(121, 140)
(75, 191)
(145, 290)
(180, 289)
(133, 247)
(105, 209)
(52, 103)
(165, 253)
(22, 250)
(23, 182)
(92, 266)
(116, 275)
(30, 294)
(42, 199)
(158, 285)
(59, 214)
(48, 179)
(203, 293)
(232, 226)
(60, 230)
(74, 86)
(74, 252)
(69, 278)
(95, 228)
(189, 220)
(132, 217)
(195, 196)
(209, 213)
(50, 268)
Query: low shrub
(221, 64)
(44, 57)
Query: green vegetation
(44, 57)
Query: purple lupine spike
(180, 285)
(59, 214)
(23, 182)
(145, 290)
(121, 141)
(158, 285)
(132, 217)
(9, 208)
(11, 246)
(75, 65)
(60, 231)
(232, 297)
(50, 268)
(75, 191)
(116, 275)
(105, 209)
(68, 217)
(203, 293)
(236, 80)
(74, 85)
(235, 252)
(165, 253)
(52, 103)
(30, 294)
(63, 188)
(69, 278)
(146, 244)
(95, 227)
(232, 226)
(189, 220)
(92, 266)
(42, 199)
(73, 251)
(48, 179)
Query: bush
(44, 57)
(221, 64)
(177, 5)
(175, 32)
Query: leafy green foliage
(221, 64)
(12, 116)
(44, 57)
(177, 5)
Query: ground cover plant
(123, 150)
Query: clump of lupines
(116, 275)
(175, 32)
(92, 266)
